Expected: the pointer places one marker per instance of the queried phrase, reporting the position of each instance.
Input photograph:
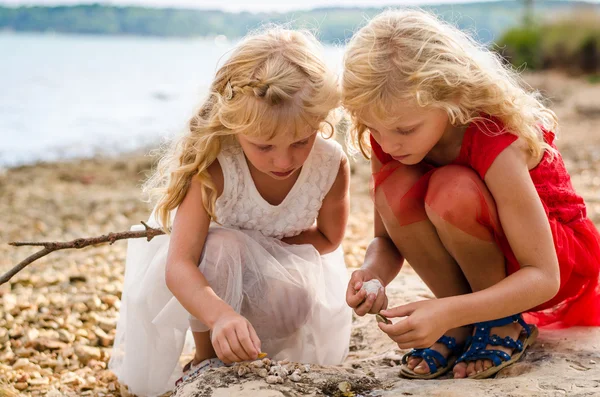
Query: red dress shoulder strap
(483, 142)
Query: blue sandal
(478, 342)
(430, 356)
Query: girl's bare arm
(183, 278)
(328, 232)
(527, 229)
(382, 258)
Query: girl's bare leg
(453, 205)
(421, 246)
(204, 347)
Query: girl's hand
(234, 338)
(357, 298)
(423, 324)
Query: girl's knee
(392, 196)
(282, 311)
(456, 195)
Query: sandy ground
(58, 316)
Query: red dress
(576, 239)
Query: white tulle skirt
(293, 297)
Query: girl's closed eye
(301, 143)
(264, 148)
(406, 131)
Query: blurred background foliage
(570, 43)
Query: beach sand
(58, 316)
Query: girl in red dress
(470, 189)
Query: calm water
(66, 96)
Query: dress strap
(484, 140)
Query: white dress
(293, 297)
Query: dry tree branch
(51, 246)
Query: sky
(240, 5)
(243, 5)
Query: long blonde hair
(273, 80)
(411, 55)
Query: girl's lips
(400, 158)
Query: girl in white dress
(256, 202)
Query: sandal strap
(495, 356)
(430, 355)
(477, 343)
(450, 343)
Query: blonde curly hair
(273, 80)
(411, 55)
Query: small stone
(65, 336)
(272, 379)
(21, 386)
(242, 370)
(107, 324)
(592, 362)
(93, 302)
(32, 334)
(295, 376)
(344, 387)
(25, 352)
(39, 381)
(91, 380)
(77, 278)
(86, 353)
(257, 364)
(24, 365)
(3, 336)
(43, 344)
(79, 307)
(110, 300)
(70, 378)
(104, 339)
(262, 372)
(372, 286)
(382, 319)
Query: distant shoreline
(333, 24)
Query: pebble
(272, 379)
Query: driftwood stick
(51, 246)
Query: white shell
(257, 364)
(274, 379)
(262, 372)
(372, 286)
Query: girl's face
(280, 156)
(417, 131)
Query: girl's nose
(387, 143)
(283, 162)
